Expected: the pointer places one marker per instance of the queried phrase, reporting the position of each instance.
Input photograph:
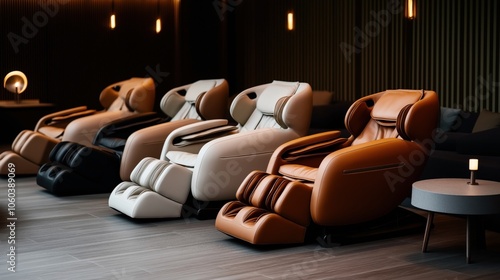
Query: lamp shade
(15, 82)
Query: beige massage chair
(31, 148)
(208, 160)
(324, 182)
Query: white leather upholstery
(217, 167)
(203, 99)
(157, 190)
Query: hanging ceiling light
(112, 20)
(158, 20)
(290, 21)
(411, 9)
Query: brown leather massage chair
(75, 169)
(324, 181)
(31, 148)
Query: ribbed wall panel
(456, 47)
(451, 47)
(382, 61)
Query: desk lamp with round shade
(17, 83)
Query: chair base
(202, 210)
(399, 222)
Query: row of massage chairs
(264, 179)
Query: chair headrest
(272, 95)
(135, 94)
(138, 95)
(199, 87)
(386, 110)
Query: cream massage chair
(202, 164)
(31, 148)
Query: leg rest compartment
(158, 190)
(269, 210)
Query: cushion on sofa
(486, 120)
(448, 118)
(465, 122)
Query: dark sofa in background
(462, 136)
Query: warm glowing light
(410, 9)
(473, 164)
(290, 25)
(158, 25)
(113, 21)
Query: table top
(26, 103)
(456, 196)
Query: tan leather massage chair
(76, 169)
(208, 160)
(31, 148)
(328, 181)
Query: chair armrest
(120, 129)
(190, 129)
(316, 145)
(370, 179)
(223, 163)
(147, 142)
(62, 118)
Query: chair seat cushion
(182, 158)
(298, 172)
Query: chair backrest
(391, 114)
(273, 105)
(203, 99)
(133, 95)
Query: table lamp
(473, 166)
(16, 82)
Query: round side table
(456, 196)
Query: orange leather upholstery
(352, 180)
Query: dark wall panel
(345, 46)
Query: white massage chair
(210, 159)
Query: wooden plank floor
(80, 237)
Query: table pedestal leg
(467, 242)
(430, 218)
(475, 236)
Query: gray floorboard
(80, 237)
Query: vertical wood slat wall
(451, 47)
(16, 56)
(72, 54)
(456, 45)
